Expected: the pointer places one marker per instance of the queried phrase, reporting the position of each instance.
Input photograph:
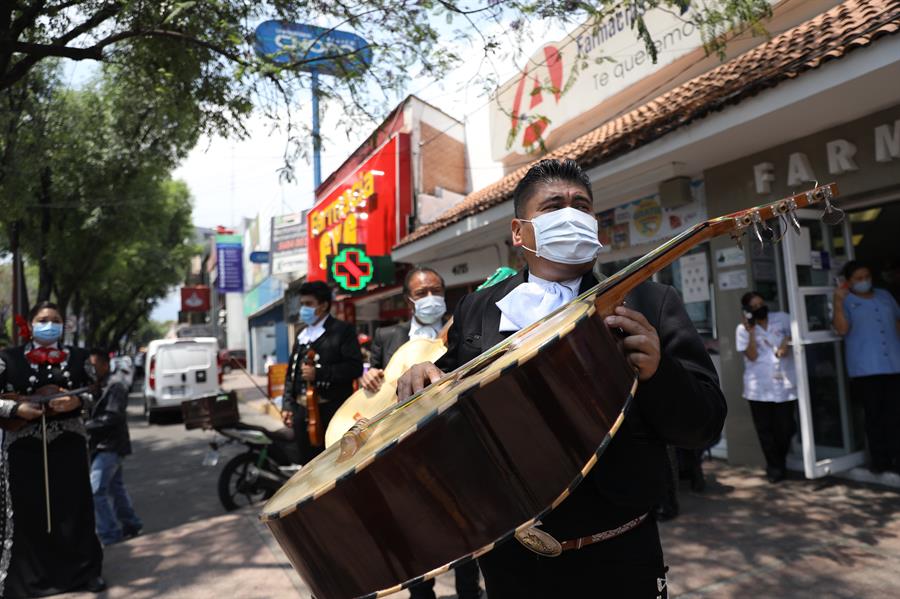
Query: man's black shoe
(130, 533)
(95, 585)
(774, 475)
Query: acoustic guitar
(483, 453)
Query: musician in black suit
(678, 402)
(423, 289)
(338, 363)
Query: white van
(179, 369)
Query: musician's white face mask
(566, 236)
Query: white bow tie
(530, 301)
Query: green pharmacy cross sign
(352, 269)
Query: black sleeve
(350, 365)
(376, 355)
(113, 412)
(682, 402)
(450, 360)
(287, 398)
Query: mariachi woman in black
(69, 557)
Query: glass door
(831, 432)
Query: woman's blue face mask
(46, 332)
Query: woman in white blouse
(769, 379)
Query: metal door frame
(801, 337)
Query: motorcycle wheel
(238, 484)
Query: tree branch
(45, 50)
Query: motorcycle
(252, 476)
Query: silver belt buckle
(540, 542)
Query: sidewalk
(742, 537)
(226, 556)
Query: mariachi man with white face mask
(611, 542)
(66, 555)
(337, 363)
(424, 291)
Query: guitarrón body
(435, 480)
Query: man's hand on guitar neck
(417, 378)
(641, 342)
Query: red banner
(369, 208)
(195, 299)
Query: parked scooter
(254, 475)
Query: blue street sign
(259, 257)
(229, 263)
(285, 43)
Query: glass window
(689, 275)
(182, 357)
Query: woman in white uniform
(769, 379)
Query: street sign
(229, 263)
(352, 269)
(195, 298)
(316, 49)
(259, 257)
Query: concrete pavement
(743, 537)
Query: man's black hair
(745, 299)
(45, 305)
(318, 290)
(548, 171)
(416, 270)
(851, 267)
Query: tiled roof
(846, 27)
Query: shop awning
(829, 36)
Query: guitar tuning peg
(832, 215)
(738, 239)
(763, 231)
(792, 216)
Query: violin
(42, 396)
(313, 419)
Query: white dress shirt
(418, 329)
(312, 331)
(532, 300)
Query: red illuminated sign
(369, 209)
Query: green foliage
(86, 175)
(203, 50)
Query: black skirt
(47, 564)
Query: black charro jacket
(386, 342)
(339, 364)
(680, 405)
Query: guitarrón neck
(620, 284)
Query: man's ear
(516, 227)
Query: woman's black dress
(43, 564)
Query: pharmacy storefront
(799, 275)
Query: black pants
(466, 584)
(626, 567)
(774, 424)
(880, 397)
(326, 412)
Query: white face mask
(566, 236)
(430, 309)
